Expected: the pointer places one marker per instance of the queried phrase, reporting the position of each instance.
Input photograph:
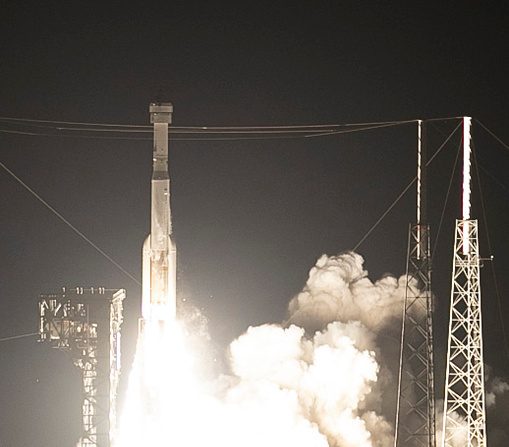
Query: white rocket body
(159, 291)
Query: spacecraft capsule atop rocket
(159, 252)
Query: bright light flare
(161, 399)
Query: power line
(267, 134)
(207, 133)
(319, 129)
(69, 224)
(174, 139)
(224, 131)
(204, 128)
(56, 128)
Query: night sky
(250, 217)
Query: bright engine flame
(161, 403)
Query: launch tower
(86, 323)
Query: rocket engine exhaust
(159, 251)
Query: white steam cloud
(338, 289)
(315, 381)
(324, 378)
(327, 378)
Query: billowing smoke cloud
(338, 289)
(314, 381)
(329, 375)
(326, 377)
(495, 388)
(497, 409)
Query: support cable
(335, 132)
(267, 133)
(374, 126)
(505, 145)
(71, 123)
(401, 348)
(387, 211)
(69, 224)
(127, 138)
(493, 270)
(405, 190)
(495, 179)
(444, 208)
(204, 128)
(16, 337)
(41, 134)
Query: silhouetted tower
(415, 414)
(464, 405)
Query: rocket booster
(159, 292)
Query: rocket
(159, 277)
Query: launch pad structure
(85, 322)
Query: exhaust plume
(326, 377)
(313, 381)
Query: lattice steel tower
(415, 414)
(464, 404)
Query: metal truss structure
(415, 415)
(86, 323)
(415, 411)
(464, 402)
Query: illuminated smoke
(316, 381)
(495, 388)
(338, 289)
(459, 438)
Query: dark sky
(250, 218)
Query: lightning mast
(415, 414)
(464, 403)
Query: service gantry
(86, 322)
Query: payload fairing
(159, 291)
